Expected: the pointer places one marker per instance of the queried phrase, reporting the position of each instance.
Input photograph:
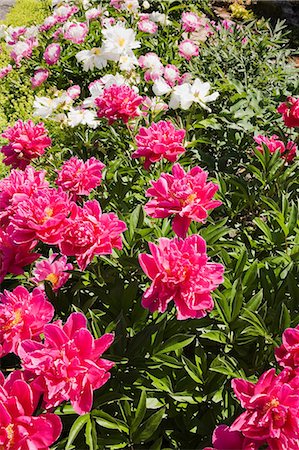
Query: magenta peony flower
(52, 54)
(75, 32)
(41, 217)
(226, 439)
(186, 195)
(271, 414)
(78, 177)
(290, 112)
(89, 232)
(20, 428)
(118, 102)
(39, 77)
(190, 21)
(26, 142)
(180, 272)
(160, 140)
(287, 355)
(22, 316)
(188, 49)
(68, 365)
(274, 144)
(52, 269)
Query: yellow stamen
(53, 278)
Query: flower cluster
(275, 144)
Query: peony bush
(149, 230)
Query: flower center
(121, 41)
(10, 436)
(272, 404)
(53, 278)
(48, 213)
(96, 51)
(17, 319)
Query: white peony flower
(158, 17)
(181, 97)
(94, 58)
(81, 116)
(45, 106)
(127, 63)
(119, 41)
(160, 87)
(200, 92)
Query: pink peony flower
(287, 355)
(41, 217)
(271, 414)
(68, 365)
(118, 102)
(147, 26)
(39, 77)
(48, 23)
(190, 21)
(20, 428)
(290, 112)
(22, 49)
(52, 269)
(171, 74)
(160, 140)
(89, 232)
(226, 439)
(73, 92)
(57, 34)
(22, 316)
(188, 49)
(5, 71)
(93, 13)
(52, 54)
(180, 272)
(78, 177)
(64, 12)
(152, 63)
(26, 142)
(274, 144)
(187, 196)
(228, 25)
(75, 32)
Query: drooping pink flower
(20, 427)
(75, 32)
(78, 177)
(5, 71)
(147, 26)
(190, 21)
(274, 144)
(188, 49)
(26, 142)
(89, 232)
(171, 74)
(271, 414)
(52, 269)
(39, 77)
(287, 355)
(160, 140)
(226, 439)
(52, 54)
(152, 63)
(290, 112)
(68, 365)
(23, 315)
(186, 195)
(41, 217)
(180, 271)
(118, 102)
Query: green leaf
(192, 370)
(148, 428)
(217, 336)
(176, 342)
(140, 412)
(91, 435)
(77, 426)
(106, 421)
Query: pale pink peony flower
(274, 144)
(188, 49)
(89, 232)
(78, 177)
(271, 414)
(22, 316)
(26, 142)
(52, 269)
(68, 365)
(287, 355)
(147, 26)
(226, 439)
(93, 13)
(190, 21)
(39, 77)
(22, 49)
(180, 271)
(52, 54)
(20, 427)
(152, 63)
(73, 92)
(5, 71)
(171, 74)
(185, 195)
(118, 102)
(64, 12)
(75, 32)
(290, 112)
(48, 23)
(41, 217)
(160, 140)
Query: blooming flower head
(171, 74)
(5, 71)
(39, 77)
(41, 217)
(290, 112)
(82, 116)
(118, 41)
(287, 354)
(26, 142)
(188, 49)
(187, 196)
(53, 270)
(78, 177)
(22, 49)
(22, 316)
(75, 32)
(64, 12)
(93, 13)
(226, 439)
(68, 365)
(118, 102)
(91, 59)
(73, 92)
(147, 26)
(190, 21)
(89, 232)
(160, 140)
(271, 414)
(180, 271)
(48, 23)
(52, 54)
(198, 92)
(152, 63)
(274, 144)
(20, 428)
